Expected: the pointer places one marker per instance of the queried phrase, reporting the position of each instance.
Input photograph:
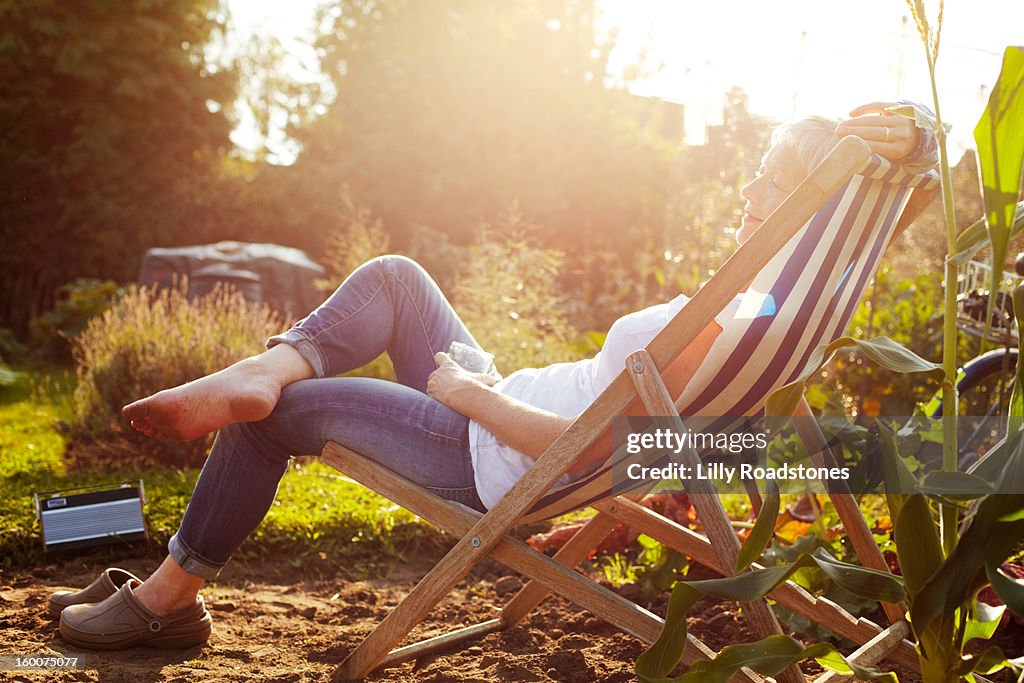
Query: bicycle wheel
(984, 396)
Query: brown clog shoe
(121, 621)
(105, 585)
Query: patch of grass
(318, 513)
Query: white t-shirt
(566, 389)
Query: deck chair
(815, 255)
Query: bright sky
(790, 56)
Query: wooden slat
(572, 553)
(844, 502)
(919, 200)
(871, 652)
(754, 254)
(442, 642)
(457, 520)
(713, 518)
(696, 546)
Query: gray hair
(810, 139)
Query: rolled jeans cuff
(306, 347)
(190, 561)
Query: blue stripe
(780, 291)
(804, 318)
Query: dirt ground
(297, 625)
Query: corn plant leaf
(882, 350)
(1016, 411)
(764, 528)
(771, 656)
(954, 485)
(987, 662)
(917, 543)
(663, 655)
(1013, 516)
(975, 237)
(752, 585)
(837, 662)
(1001, 156)
(897, 478)
(993, 463)
(983, 622)
(861, 581)
(1010, 591)
(984, 540)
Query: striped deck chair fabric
(804, 297)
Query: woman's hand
(453, 385)
(890, 135)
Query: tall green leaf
(983, 622)
(666, 651)
(917, 543)
(882, 350)
(1010, 591)
(1000, 138)
(1016, 417)
(771, 656)
(897, 478)
(985, 540)
(764, 528)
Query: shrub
(151, 341)
(79, 302)
(907, 310)
(507, 294)
(360, 239)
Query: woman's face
(778, 176)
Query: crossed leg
(389, 304)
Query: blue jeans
(387, 304)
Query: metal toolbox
(92, 515)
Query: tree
(447, 112)
(112, 129)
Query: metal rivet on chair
(475, 541)
(638, 366)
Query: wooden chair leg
(572, 553)
(871, 652)
(844, 502)
(649, 385)
(458, 520)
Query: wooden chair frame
(483, 535)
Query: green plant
(939, 589)
(79, 302)
(506, 293)
(150, 341)
(360, 238)
(908, 311)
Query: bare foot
(244, 392)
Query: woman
(460, 434)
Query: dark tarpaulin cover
(282, 277)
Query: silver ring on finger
(886, 129)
